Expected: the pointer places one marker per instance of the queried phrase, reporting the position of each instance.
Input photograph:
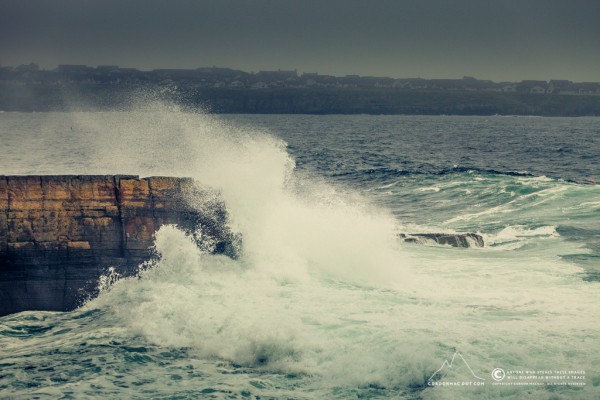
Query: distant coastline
(27, 88)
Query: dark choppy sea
(325, 302)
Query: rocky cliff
(58, 234)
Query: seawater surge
(323, 300)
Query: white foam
(324, 290)
(519, 232)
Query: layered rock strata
(58, 234)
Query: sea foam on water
(323, 301)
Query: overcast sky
(488, 39)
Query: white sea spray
(323, 301)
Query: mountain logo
(461, 372)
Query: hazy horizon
(505, 40)
(54, 67)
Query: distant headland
(225, 90)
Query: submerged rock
(452, 239)
(58, 234)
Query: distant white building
(537, 90)
(259, 85)
(508, 87)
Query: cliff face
(58, 234)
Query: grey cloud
(504, 39)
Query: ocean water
(325, 302)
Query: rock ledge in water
(452, 239)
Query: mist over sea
(325, 301)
